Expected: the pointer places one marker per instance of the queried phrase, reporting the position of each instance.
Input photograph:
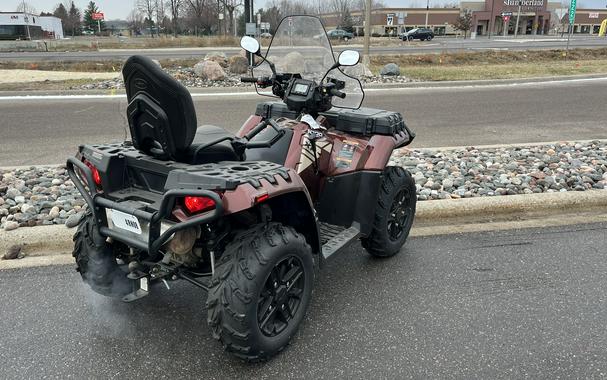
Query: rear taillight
(198, 204)
(96, 175)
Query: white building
(21, 26)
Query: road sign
(250, 28)
(401, 18)
(572, 11)
(506, 14)
(390, 20)
(506, 18)
(97, 16)
(290, 21)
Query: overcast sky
(114, 9)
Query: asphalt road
(435, 46)
(43, 131)
(516, 304)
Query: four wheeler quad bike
(247, 216)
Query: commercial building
(23, 26)
(499, 16)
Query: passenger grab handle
(260, 127)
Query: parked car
(339, 34)
(417, 34)
(265, 35)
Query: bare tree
(464, 22)
(175, 8)
(202, 14)
(147, 8)
(26, 8)
(135, 21)
(160, 15)
(375, 4)
(230, 6)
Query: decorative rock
(54, 212)
(28, 209)
(14, 252)
(293, 62)
(74, 220)
(20, 199)
(238, 64)
(217, 57)
(9, 226)
(12, 193)
(209, 70)
(391, 69)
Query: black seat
(162, 118)
(214, 153)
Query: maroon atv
(245, 217)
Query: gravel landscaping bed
(45, 195)
(188, 78)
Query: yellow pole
(603, 28)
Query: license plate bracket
(126, 222)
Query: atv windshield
(301, 46)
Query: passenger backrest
(160, 111)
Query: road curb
(371, 86)
(46, 245)
(472, 210)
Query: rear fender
(289, 201)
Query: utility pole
(248, 18)
(518, 16)
(427, 10)
(492, 19)
(367, 40)
(27, 22)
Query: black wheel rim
(280, 297)
(400, 212)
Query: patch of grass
(496, 64)
(504, 71)
(490, 57)
(170, 42)
(87, 66)
(77, 66)
(44, 86)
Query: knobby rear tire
(240, 277)
(96, 263)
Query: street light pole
(367, 40)
(427, 10)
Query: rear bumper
(155, 238)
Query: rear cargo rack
(98, 204)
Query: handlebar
(261, 81)
(337, 93)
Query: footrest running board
(338, 242)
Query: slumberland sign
(525, 3)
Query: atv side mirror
(250, 44)
(348, 58)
